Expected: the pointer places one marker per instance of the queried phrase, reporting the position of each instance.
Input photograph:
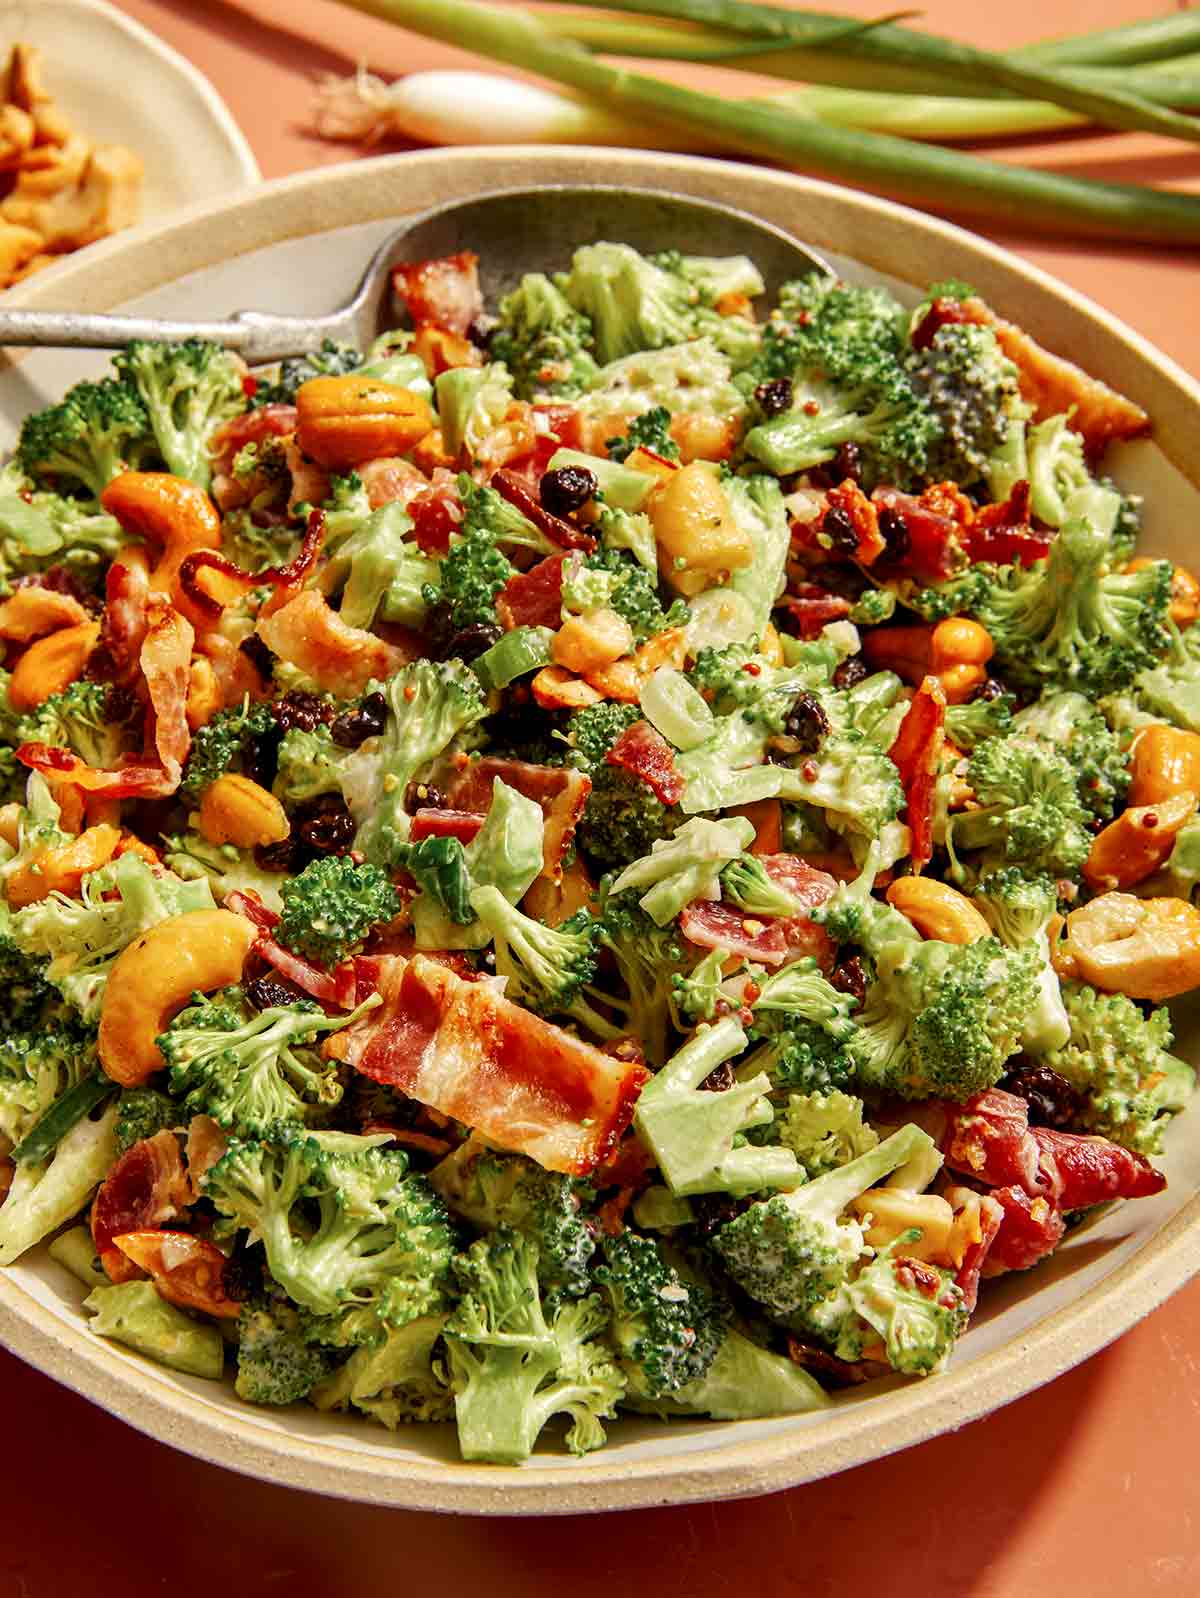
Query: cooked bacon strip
(434, 823)
(444, 291)
(563, 533)
(462, 1048)
(1082, 1171)
(712, 925)
(391, 480)
(645, 753)
(1002, 533)
(436, 513)
(812, 608)
(136, 779)
(917, 755)
(864, 519)
(533, 598)
(561, 792)
(1030, 1229)
(979, 1215)
(934, 537)
(804, 882)
(127, 596)
(342, 660)
(145, 1188)
(165, 658)
(252, 907)
(267, 421)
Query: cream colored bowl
(298, 246)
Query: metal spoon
(513, 231)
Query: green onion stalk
(925, 175)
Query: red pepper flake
(752, 993)
(811, 408)
(809, 771)
(1150, 821)
(410, 693)
(746, 1017)
(752, 668)
(249, 386)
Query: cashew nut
(936, 910)
(155, 977)
(1144, 948)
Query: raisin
(720, 1079)
(354, 727)
(1052, 1101)
(849, 976)
(848, 462)
(422, 796)
(303, 712)
(325, 825)
(775, 397)
(259, 656)
(566, 489)
(266, 993)
(992, 688)
(839, 529)
(468, 643)
(482, 331)
(807, 723)
(712, 1211)
(893, 529)
(852, 670)
(260, 757)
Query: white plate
(119, 84)
(298, 246)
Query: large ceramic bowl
(298, 246)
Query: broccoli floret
(632, 593)
(396, 1380)
(543, 341)
(666, 1328)
(513, 1368)
(825, 1130)
(331, 360)
(746, 883)
(1167, 692)
(916, 1308)
(623, 817)
(1072, 622)
(547, 968)
(343, 1224)
(226, 868)
(276, 1361)
(143, 1112)
(256, 548)
(36, 1069)
(331, 906)
(1056, 470)
(804, 1026)
(647, 957)
(222, 744)
(248, 1069)
(973, 390)
(188, 390)
(651, 430)
(696, 1136)
(1018, 908)
(82, 937)
(80, 444)
(1119, 1061)
(493, 1189)
(631, 304)
(686, 866)
(429, 704)
(794, 1251)
(80, 719)
(309, 764)
(737, 678)
(370, 562)
(696, 995)
(39, 530)
(744, 1382)
(843, 347)
(1029, 806)
(968, 725)
(472, 574)
(1076, 728)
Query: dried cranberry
(287, 856)
(893, 529)
(839, 529)
(302, 712)
(774, 397)
(265, 993)
(849, 976)
(1052, 1101)
(468, 643)
(807, 723)
(852, 670)
(354, 727)
(566, 489)
(260, 757)
(423, 796)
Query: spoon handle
(257, 335)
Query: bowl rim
(878, 233)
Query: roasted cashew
(1144, 948)
(155, 977)
(169, 511)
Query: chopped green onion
(673, 706)
(519, 652)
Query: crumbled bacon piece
(533, 598)
(917, 755)
(644, 752)
(145, 1188)
(444, 291)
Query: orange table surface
(1084, 1488)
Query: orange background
(1085, 1488)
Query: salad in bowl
(623, 851)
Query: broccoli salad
(620, 852)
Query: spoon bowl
(513, 231)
